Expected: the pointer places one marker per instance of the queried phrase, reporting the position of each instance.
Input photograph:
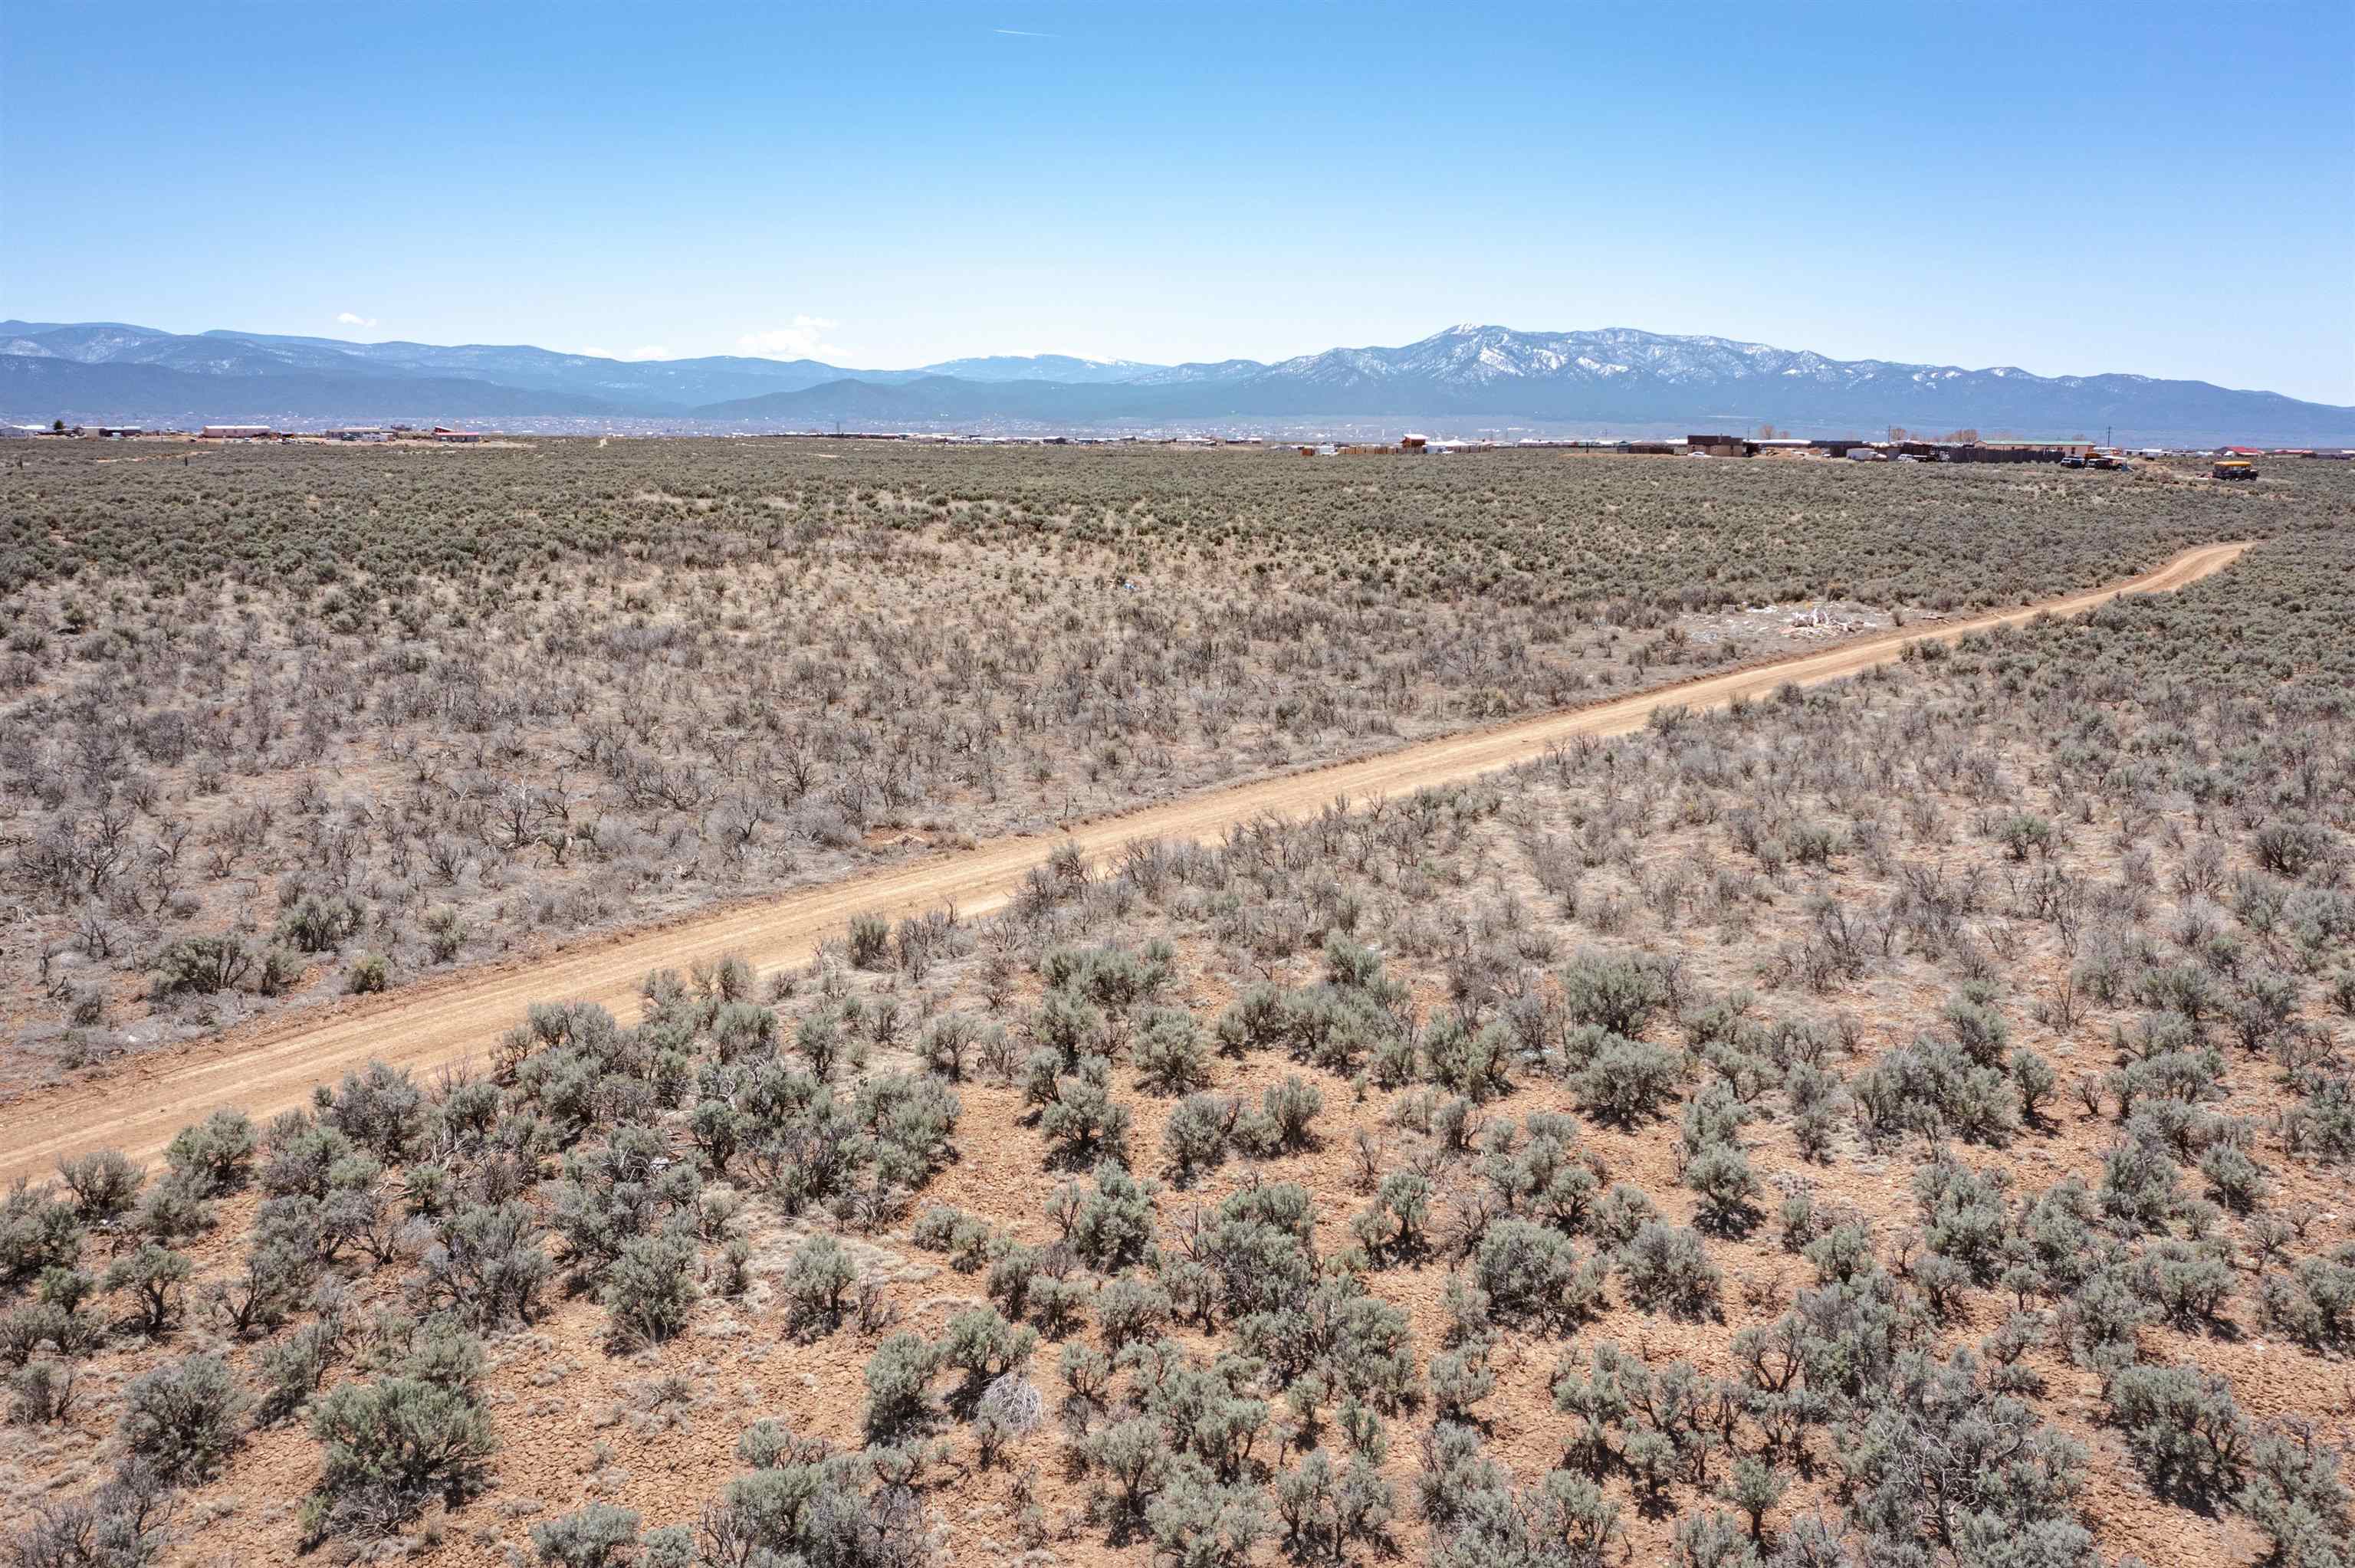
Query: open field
(1890, 1107)
(267, 1069)
(314, 719)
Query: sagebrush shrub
(184, 1417)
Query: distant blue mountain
(95, 370)
(36, 390)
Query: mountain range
(1491, 376)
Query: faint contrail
(1018, 33)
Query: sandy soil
(273, 1066)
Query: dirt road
(273, 1067)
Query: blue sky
(2157, 189)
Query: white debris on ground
(1808, 621)
(1819, 622)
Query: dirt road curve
(138, 1110)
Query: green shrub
(2189, 1283)
(41, 1393)
(2183, 1429)
(104, 1184)
(1964, 1215)
(1627, 1081)
(2138, 1189)
(213, 1155)
(295, 1368)
(2033, 1077)
(1170, 1057)
(1195, 1138)
(1728, 1188)
(1133, 1455)
(485, 1264)
(1532, 1271)
(1668, 1269)
(1935, 1456)
(1111, 1223)
(1710, 1540)
(2022, 835)
(816, 1283)
(1622, 996)
(154, 1277)
(389, 1447)
(1391, 1227)
(1197, 1519)
(1283, 1125)
(202, 965)
(2313, 1302)
(1085, 1121)
(1458, 1480)
(982, 1344)
(321, 923)
(445, 933)
(898, 1381)
(1624, 1211)
(942, 1228)
(2294, 1495)
(597, 1536)
(870, 941)
(650, 1290)
(1326, 1508)
(1459, 1380)
(184, 1417)
(380, 1109)
(1979, 1030)
(1129, 1309)
(125, 1522)
(1465, 1061)
(1933, 1086)
(37, 1232)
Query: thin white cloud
(1018, 32)
(353, 318)
(805, 339)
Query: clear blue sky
(2161, 188)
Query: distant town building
(234, 432)
(444, 433)
(2037, 451)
